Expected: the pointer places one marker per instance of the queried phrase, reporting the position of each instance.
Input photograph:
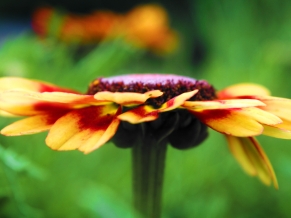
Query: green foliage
(245, 41)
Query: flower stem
(148, 159)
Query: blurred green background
(224, 42)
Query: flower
(73, 28)
(91, 28)
(145, 26)
(40, 19)
(175, 108)
(148, 26)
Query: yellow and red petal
(261, 116)
(101, 137)
(281, 107)
(230, 121)
(241, 90)
(241, 122)
(140, 114)
(146, 113)
(20, 106)
(252, 158)
(88, 127)
(177, 101)
(22, 102)
(7, 83)
(88, 140)
(282, 130)
(57, 97)
(127, 98)
(31, 125)
(6, 114)
(222, 104)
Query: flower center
(170, 85)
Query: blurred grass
(245, 41)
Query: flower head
(148, 26)
(73, 28)
(91, 28)
(145, 26)
(174, 108)
(40, 20)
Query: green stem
(148, 158)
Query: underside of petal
(85, 129)
(282, 131)
(139, 114)
(242, 89)
(252, 158)
(281, 107)
(261, 116)
(221, 104)
(7, 83)
(127, 98)
(239, 152)
(31, 125)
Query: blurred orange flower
(41, 19)
(90, 28)
(145, 26)
(148, 26)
